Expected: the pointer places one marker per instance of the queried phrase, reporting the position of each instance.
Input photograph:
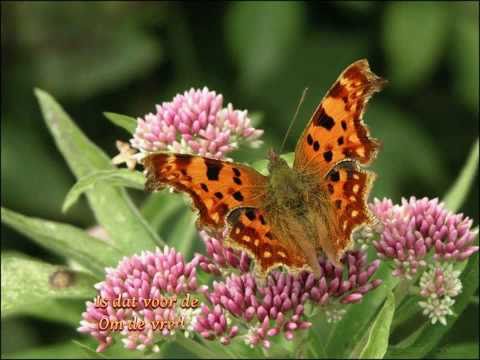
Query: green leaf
(117, 177)
(406, 311)
(457, 351)
(457, 194)
(428, 336)
(199, 350)
(160, 207)
(170, 215)
(65, 240)
(374, 344)
(341, 337)
(64, 350)
(67, 311)
(89, 352)
(112, 207)
(414, 38)
(26, 282)
(127, 122)
(184, 233)
(261, 37)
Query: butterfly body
(287, 189)
(288, 217)
(291, 204)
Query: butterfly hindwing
(249, 230)
(348, 187)
(216, 187)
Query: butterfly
(286, 218)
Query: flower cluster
(415, 227)
(220, 258)
(195, 122)
(419, 232)
(237, 305)
(439, 285)
(279, 305)
(146, 276)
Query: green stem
(201, 351)
(219, 348)
(402, 290)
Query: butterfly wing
(216, 187)
(250, 230)
(348, 187)
(329, 152)
(336, 131)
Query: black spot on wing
(334, 176)
(213, 169)
(327, 155)
(183, 160)
(218, 195)
(250, 214)
(309, 139)
(237, 180)
(344, 125)
(262, 219)
(316, 146)
(237, 195)
(324, 120)
(236, 172)
(340, 140)
(204, 187)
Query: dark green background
(125, 57)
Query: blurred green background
(125, 57)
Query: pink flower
(195, 122)
(278, 307)
(220, 258)
(439, 285)
(415, 227)
(146, 276)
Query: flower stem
(201, 351)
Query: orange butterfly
(286, 218)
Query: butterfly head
(275, 162)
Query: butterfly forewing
(336, 131)
(330, 151)
(216, 187)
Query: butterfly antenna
(294, 118)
